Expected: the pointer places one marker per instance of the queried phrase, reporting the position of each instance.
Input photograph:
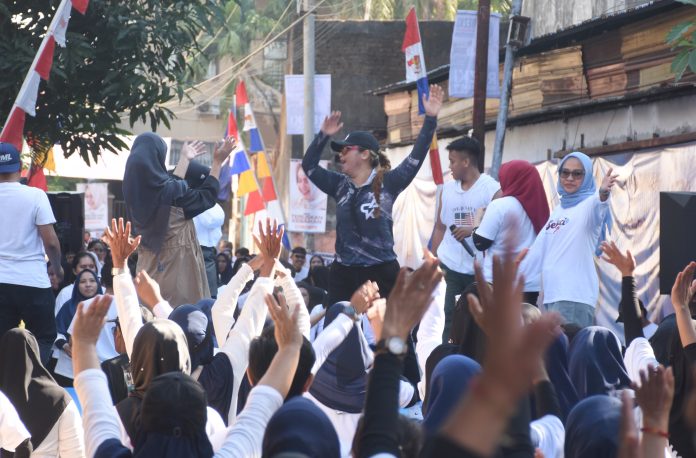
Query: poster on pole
(463, 56)
(307, 202)
(96, 207)
(294, 102)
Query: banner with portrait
(307, 202)
(96, 207)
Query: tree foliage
(123, 58)
(683, 39)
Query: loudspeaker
(68, 209)
(677, 236)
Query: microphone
(464, 243)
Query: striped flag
(255, 143)
(415, 60)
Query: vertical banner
(294, 106)
(96, 207)
(307, 202)
(463, 56)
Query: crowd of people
(161, 340)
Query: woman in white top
(46, 409)
(565, 248)
(522, 209)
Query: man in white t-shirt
(27, 236)
(461, 198)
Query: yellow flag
(247, 183)
(50, 161)
(262, 168)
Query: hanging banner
(307, 202)
(294, 102)
(96, 207)
(463, 56)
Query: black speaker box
(68, 209)
(677, 235)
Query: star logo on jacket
(368, 208)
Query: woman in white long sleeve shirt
(46, 409)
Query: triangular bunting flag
(241, 94)
(262, 168)
(43, 66)
(50, 161)
(37, 179)
(435, 164)
(13, 131)
(61, 23)
(240, 163)
(247, 183)
(26, 100)
(268, 190)
(231, 130)
(255, 143)
(254, 203)
(80, 5)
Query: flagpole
(32, 68)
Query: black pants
(210, 268)
(345, 280)
(35, 306)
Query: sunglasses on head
(565, 173)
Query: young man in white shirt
(461, 198)
(27, 237)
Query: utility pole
(308, 64)
(501, 124)
(483, 19)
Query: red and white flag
(60, 24)
(26, 100)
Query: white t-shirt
(501, 216)
(458, 208)
(565, 252)
(63, 296)
(12, 430)
(209, 226)
(22, 256)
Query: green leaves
(682, 37)
(123, 61)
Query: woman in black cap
(365, 192)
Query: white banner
(307, 202)
(463, 56)
(96, 207)
(294, 102)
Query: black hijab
(36, 396)
(226, 275)
(557, 368)
(160, 347)
(172, 422)
(592, 429)
(149, 191)
(68, 310)
(341, 383)
(595, 362)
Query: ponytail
(381, 162)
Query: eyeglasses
(576, 174)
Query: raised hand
(88, 323)
(332, 124)
(287, 333)
(269, 242)
(433, 103)
(654, 396)
(192, 150)
(409, 299)
(684, 287)
(223, 149)
(607, 183)
(364, 296)
(629, 439)
(148, 290)
(119, 239)
(625, 263)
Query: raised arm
(326, 180)
(226, 302)
(430, 331)
(629, 309)
(682, 295)
(400, 177)
(118, 237)
(293, 296)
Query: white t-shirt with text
(22, 255)
(458, 208)
(502, 215)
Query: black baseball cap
(643, 312)
(10, 161)
(359, 138)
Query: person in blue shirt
(365, 192)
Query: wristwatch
(351, 312)
(118, 271)
(394, 345)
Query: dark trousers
(34, 306)
(210, 268)
(345, 280)
(456, 283)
